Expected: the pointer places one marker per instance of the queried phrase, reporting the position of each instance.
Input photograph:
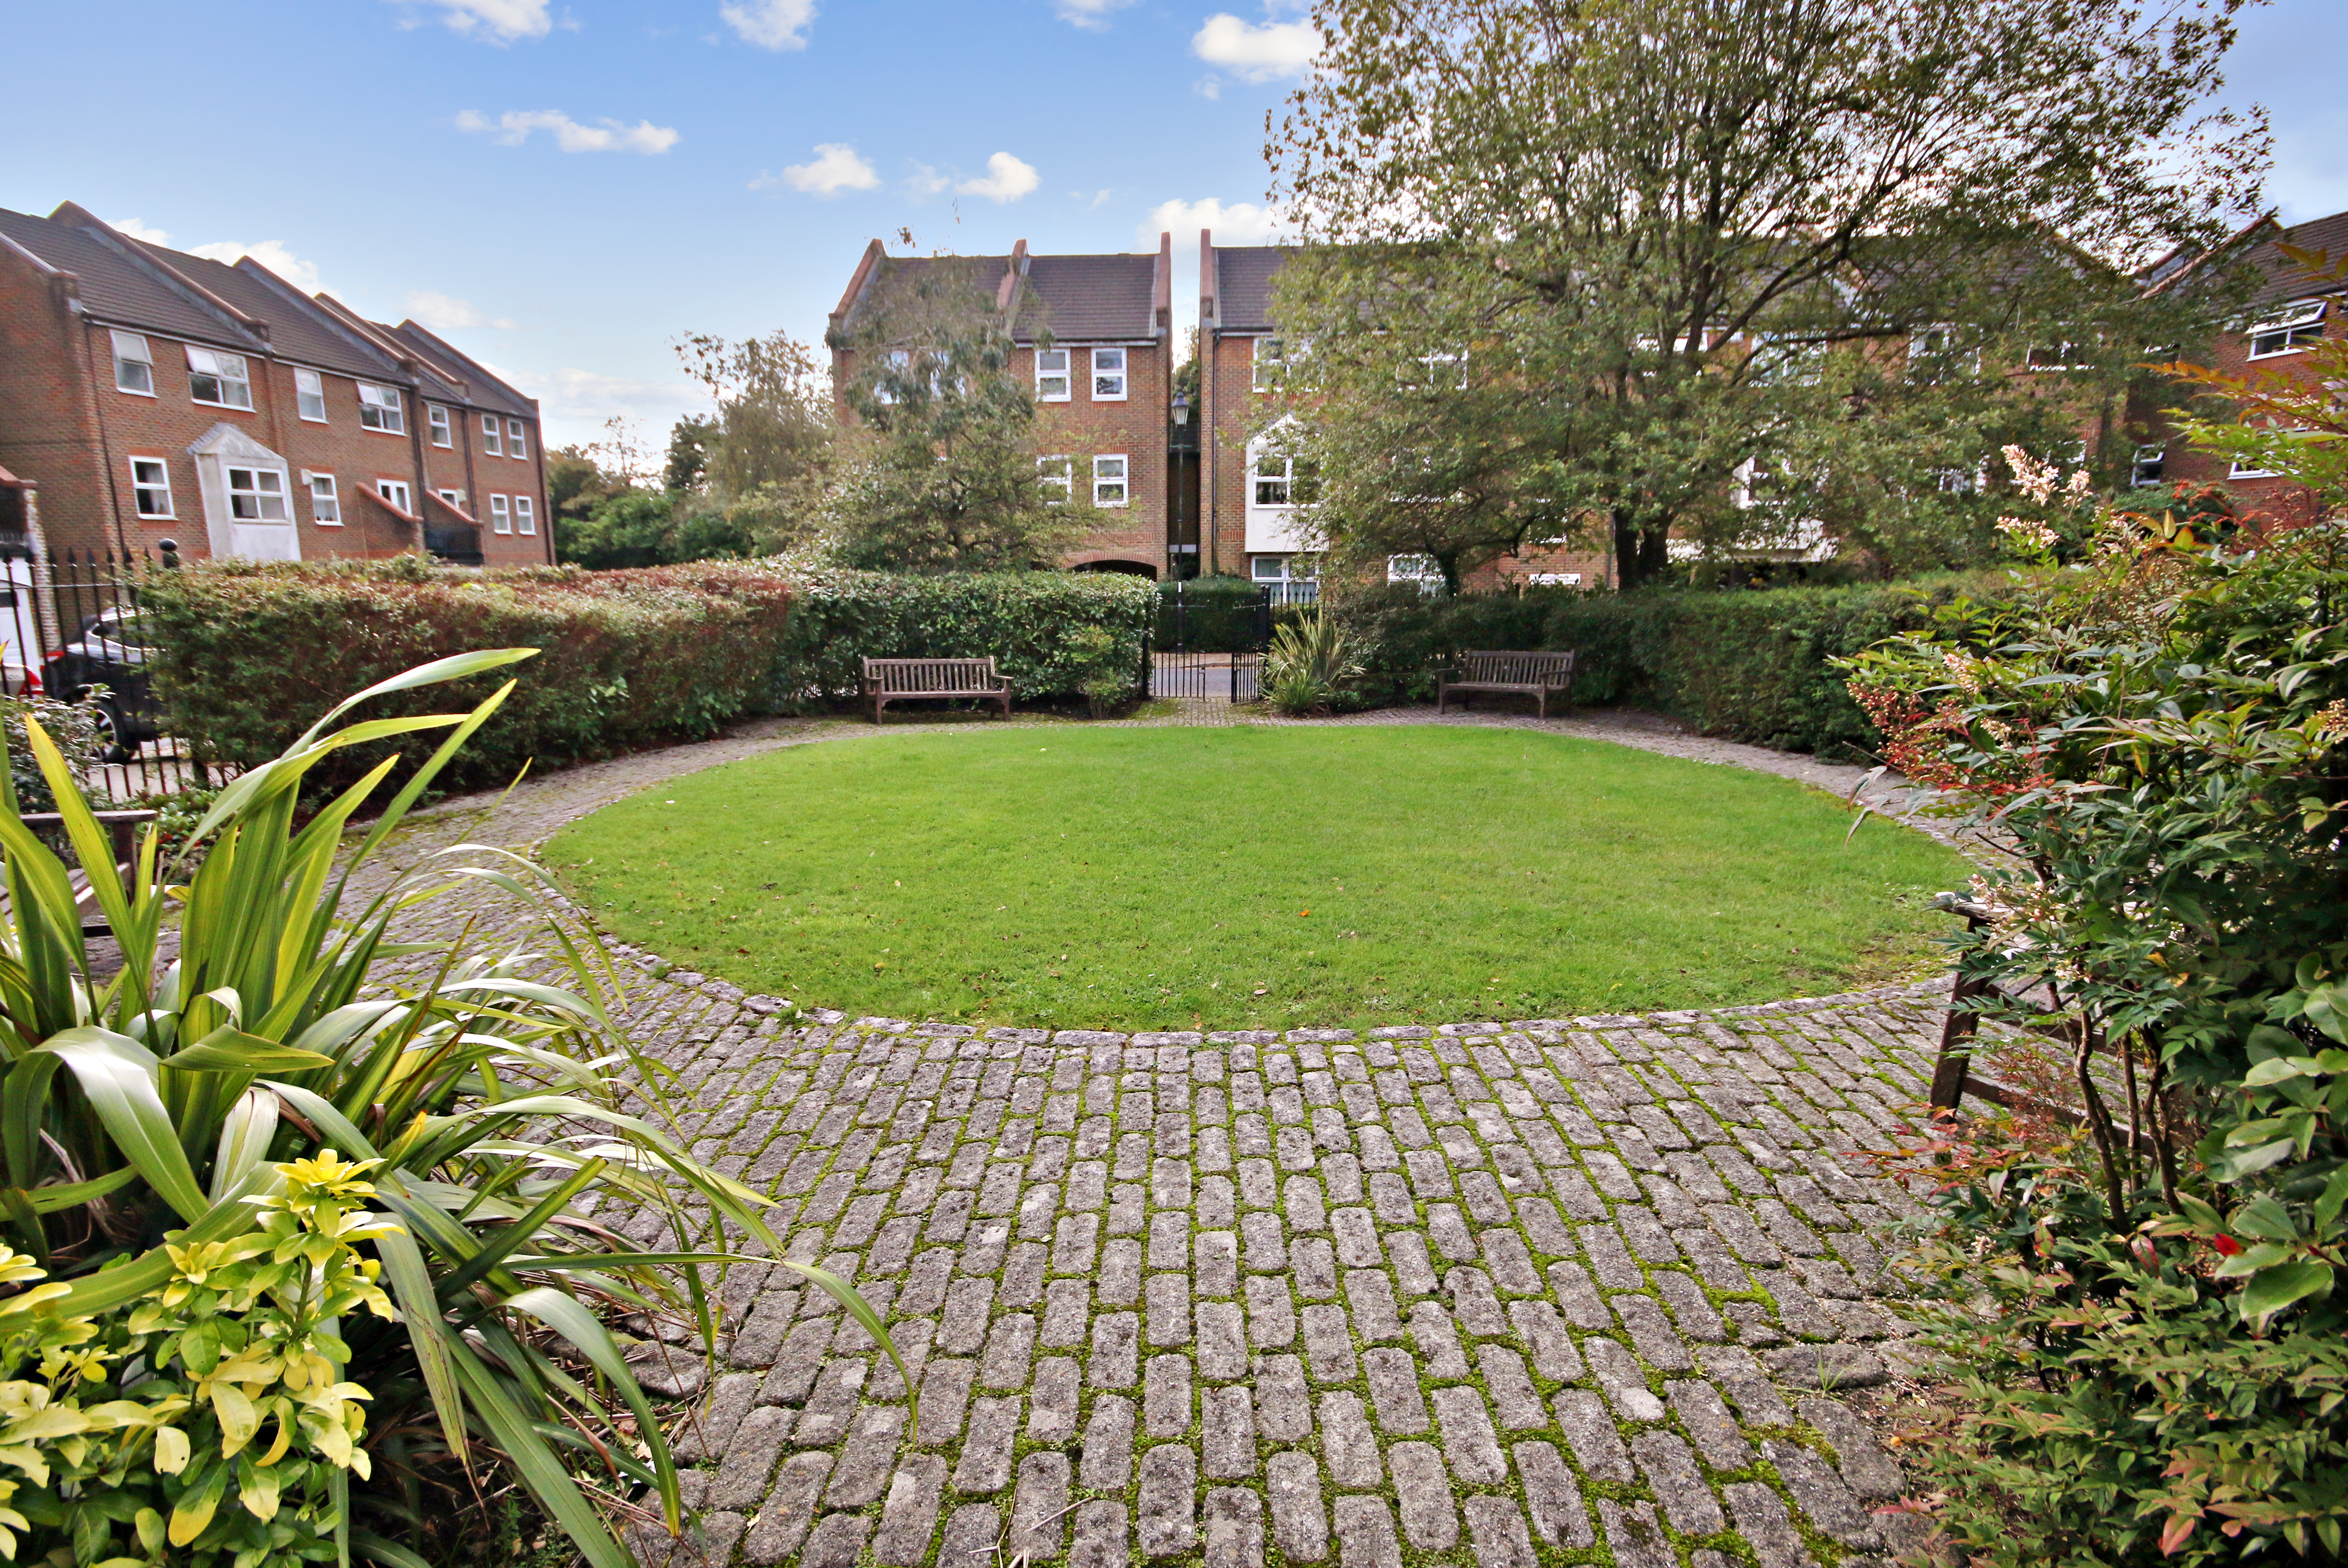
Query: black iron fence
(73, 632)
(1209, 646)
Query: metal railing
(74, 632)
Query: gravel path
(1506, 1292)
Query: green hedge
(1025, 619)
(1746, 663)
(251, 653)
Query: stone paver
(1489, 1289)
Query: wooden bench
(1531, 674)
(895, 680)
(123, 832)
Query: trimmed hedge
(1749, 664)
(252, 653)
(1024, 618)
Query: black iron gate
(1209, 644)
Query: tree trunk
(1641, 552)
(1450, 566)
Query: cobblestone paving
(1513, 1293)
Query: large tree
(1659, 263)
(944, 475)
(765, 461)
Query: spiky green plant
(154, 1103)
(1309, 663)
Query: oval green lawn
(1254, 878)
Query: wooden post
(1955, 1061)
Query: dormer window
(219, 380)
(438, 418)
(2298, 325)
(309, 396)
(380, 409)
(134, 366)
(1052, 375)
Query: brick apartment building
(151, 396)
(2290, 310)
(1093, 336)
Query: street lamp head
(1181, 409)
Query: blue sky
(564, 187)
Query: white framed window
(490, 440)
(396, 492)
(1277, 478)
(1108, 374)
(517, 443)
(325, 500)
(1437, 372)
(2150, 467)
(309, 396)
(1288, 578)
(151, 487)
(525, 515)
(500, 516)
(1052, 381)
(134, 364)
(1271, 362)
(380, 409)
(1058, 474)
(2057, 356)
(1109, 480)
(217, 378)
(1420, 570)
(1544, 578)
(436, 418)
(2293, 327)
(2239, 471)
(257, 495)
(455, 498)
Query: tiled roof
(1243, 276)
(1091, 298)
(298, 330)
(2286, 279)
(1082, 299)
(117, 288)
(482, 388)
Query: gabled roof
(474, 382)
(122, 286)
(1077, 299)
(1243, 275)
(2284, 279)
(298, 330)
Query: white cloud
(443, 314)
(270, 253)
(835, 168)
(1090, 15)
(1007, 178)
(495, 21)
(925, 180)
(138, 230)
(1208, 86)
(1241, 224)
(771, 24)
(576, 403)
(513, 128)
(1257, 51)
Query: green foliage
(1602, 267)
(1752, 665)
(253, 653)
(139, 1429)
(2157, 745)
(945, 476)
(1310, 660)
(148, 1117)
(72, 726)
(1032, 622)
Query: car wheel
(113, 733)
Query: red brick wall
(1085, 429)
(357, 457)
(2293, 505)
(48, 429)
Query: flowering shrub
(2159, 747)
(205, 1423)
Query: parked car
(109, 653)
(20, 658)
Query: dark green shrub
(1024, 619)
(1750, 665)
(252, 654)
(1210, 615)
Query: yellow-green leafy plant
(147, 1115)
(1309, 662)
